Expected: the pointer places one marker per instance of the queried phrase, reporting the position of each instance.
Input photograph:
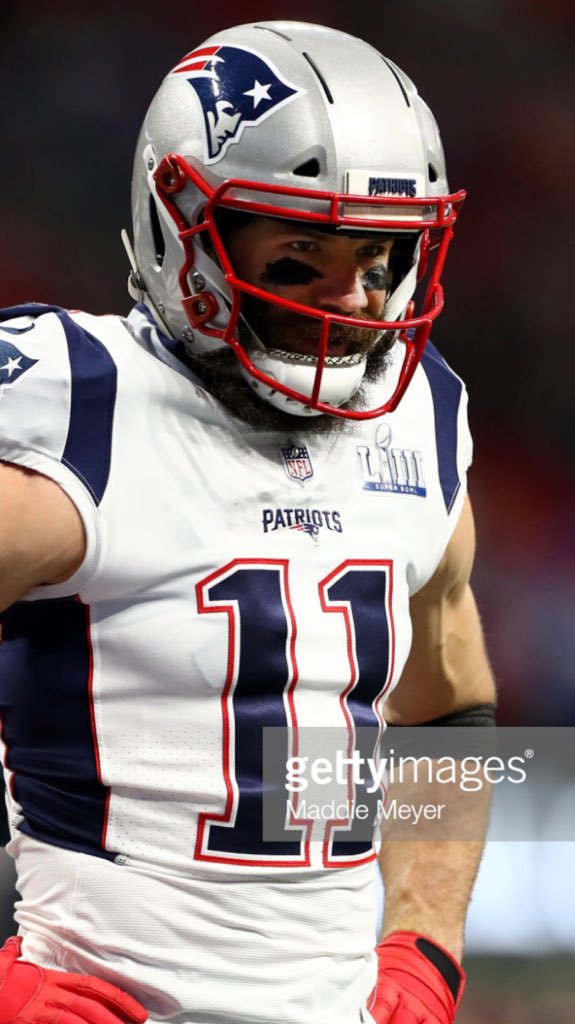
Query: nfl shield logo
(297, 462)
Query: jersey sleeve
(57, 394)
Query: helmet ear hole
(157, 233)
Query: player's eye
(303, 245)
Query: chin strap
(136, 287)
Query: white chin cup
(341, 378)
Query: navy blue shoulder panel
(446, 391)
(94, 381)
(88, 448)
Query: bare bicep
(42, 537)
(448, 668)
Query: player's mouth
(347, 341)
(300, 335)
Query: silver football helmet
(292, 120)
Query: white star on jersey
(259, 92)
(11, 365)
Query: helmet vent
(433, 175)
(310, 169)
(159, 242)
(397, 79)
(319, 75)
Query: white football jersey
(235, 581)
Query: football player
(241, 508)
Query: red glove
(418, 982)
(32, 995)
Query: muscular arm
(41, 533)
(428, 883)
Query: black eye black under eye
(288, 271)
(375, 279)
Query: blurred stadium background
(499, 74)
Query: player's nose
(341, 287)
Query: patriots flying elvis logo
(13, 363)
(237, 89)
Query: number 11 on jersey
(260, 689)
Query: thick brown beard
(219, 371)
